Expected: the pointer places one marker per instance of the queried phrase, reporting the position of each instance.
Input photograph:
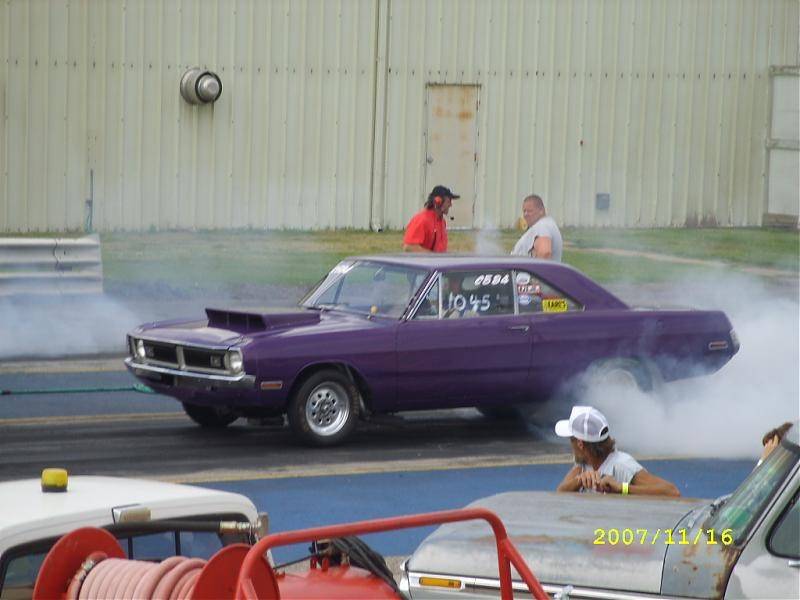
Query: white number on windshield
(492, 279)
(476, 303)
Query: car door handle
(519, 328)
(794, 563)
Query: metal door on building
(451, 146)
(783, 143)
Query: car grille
(204, 359)
(185, 358)
(162, 353)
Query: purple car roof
(564, 277)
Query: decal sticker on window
(524, 300)
(529, 289)
(492, 279)
(523, 278)
(554, 305)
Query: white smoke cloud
(488, 242)
(63, 326)
(724, 414)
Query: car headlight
(140, 351)
(235, 362)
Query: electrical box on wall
(602, 201)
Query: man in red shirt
(427, 230)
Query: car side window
(537, 296)
(785, 538)
(467, 294)
(20, 575)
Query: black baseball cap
(444, 192)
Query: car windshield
(366, 287)
(747, 503)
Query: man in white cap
(599, 467)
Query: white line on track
(89, 419)
(393, 466)
(89, 365)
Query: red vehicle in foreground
(90, 563)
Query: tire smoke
(724, 414)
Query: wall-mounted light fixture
(200, 87)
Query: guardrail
(50, 266)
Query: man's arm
(577, 479)
(542, 247)
(415, 248)
(645, 483)
(571, 481)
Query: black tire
(213, 417)
(499, 413)
(624, 371)
(324, 409)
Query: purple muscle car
(388, 333)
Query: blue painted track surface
(86, 403)
(313, 501)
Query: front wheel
(324, 410)
(214, 417)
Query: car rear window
(535, 295)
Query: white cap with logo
(584, 423)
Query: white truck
(151, 520)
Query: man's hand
(590, 480)
(770, 446)
(610, 485)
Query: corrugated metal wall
(661, 103)
(94, 85)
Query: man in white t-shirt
(543, 238)
(599, 467)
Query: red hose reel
(90, 563)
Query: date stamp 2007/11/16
(681, 537)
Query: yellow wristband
(624, 489)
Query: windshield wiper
(717, 504)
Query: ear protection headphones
(437, 200)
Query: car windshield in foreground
(744, 506)
(368, 288)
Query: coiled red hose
(122, 579)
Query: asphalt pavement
(146, 435)
(410, 463)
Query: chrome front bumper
(189, 378)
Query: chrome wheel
(621, 378)
(327, 409)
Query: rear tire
(324, 409)
(213, 417)
(629, 373)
